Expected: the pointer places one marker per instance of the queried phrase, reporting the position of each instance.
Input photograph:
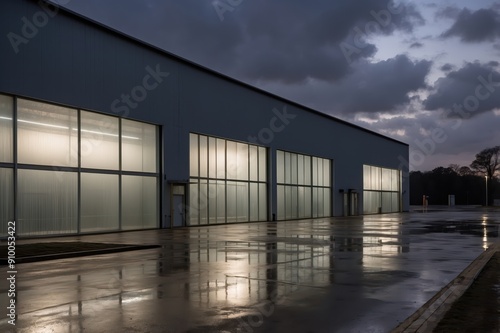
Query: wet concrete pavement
(355, 274)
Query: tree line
(467, 183)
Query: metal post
(486, 179)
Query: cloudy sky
(425, 73)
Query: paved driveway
(356, 274)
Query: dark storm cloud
(447, 67)
(284, 40)
(416, 45)
(468, 91)
(478, 26)
(382, 86)
(371, 88)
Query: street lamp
(486, 179)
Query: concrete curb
(425, 319)
(22, 260)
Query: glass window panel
(288, 168)
(242, 161)
(395, 202)
(99, 143)
(300, 169)
(212, 158)
(231, 160)
(307, 202)
(289, 204)
(281, 202)
(7, 201)
(307, 170)
(371, 202)
(204, 202)
(47, 134)
(386, 179)
(327, 210)
(295, 199)
(386, 202)
(203, 156)
(221, 201)
(301, 202)
(193, 207)
(48, 202)
(320, 202)
(254, 202)
(280, 166)
(99, 202)
(262, 202)
(315, 202)
(320, 172)
(293, 169)
(366, 177)
(139, 202)
(193, 155)
(6, 136)
(221, 159)
(262, 164)
(326, 172)
(242, 201)
(315, 171)
(254, 163)
(395, 180)
(231, 202)
(139, 146)
(212, 202)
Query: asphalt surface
(353, 274)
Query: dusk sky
(425, 73)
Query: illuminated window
(381, 190)
(58, 178)
(228, 181)
(304, 186)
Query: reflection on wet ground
(320, 275)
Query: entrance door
(178, 205)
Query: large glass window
(304, 186)
(47, 202)
(6, 146)
(47, 134)
(54, 183)
(228, 181)
(381, 190)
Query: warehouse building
(101, 132)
